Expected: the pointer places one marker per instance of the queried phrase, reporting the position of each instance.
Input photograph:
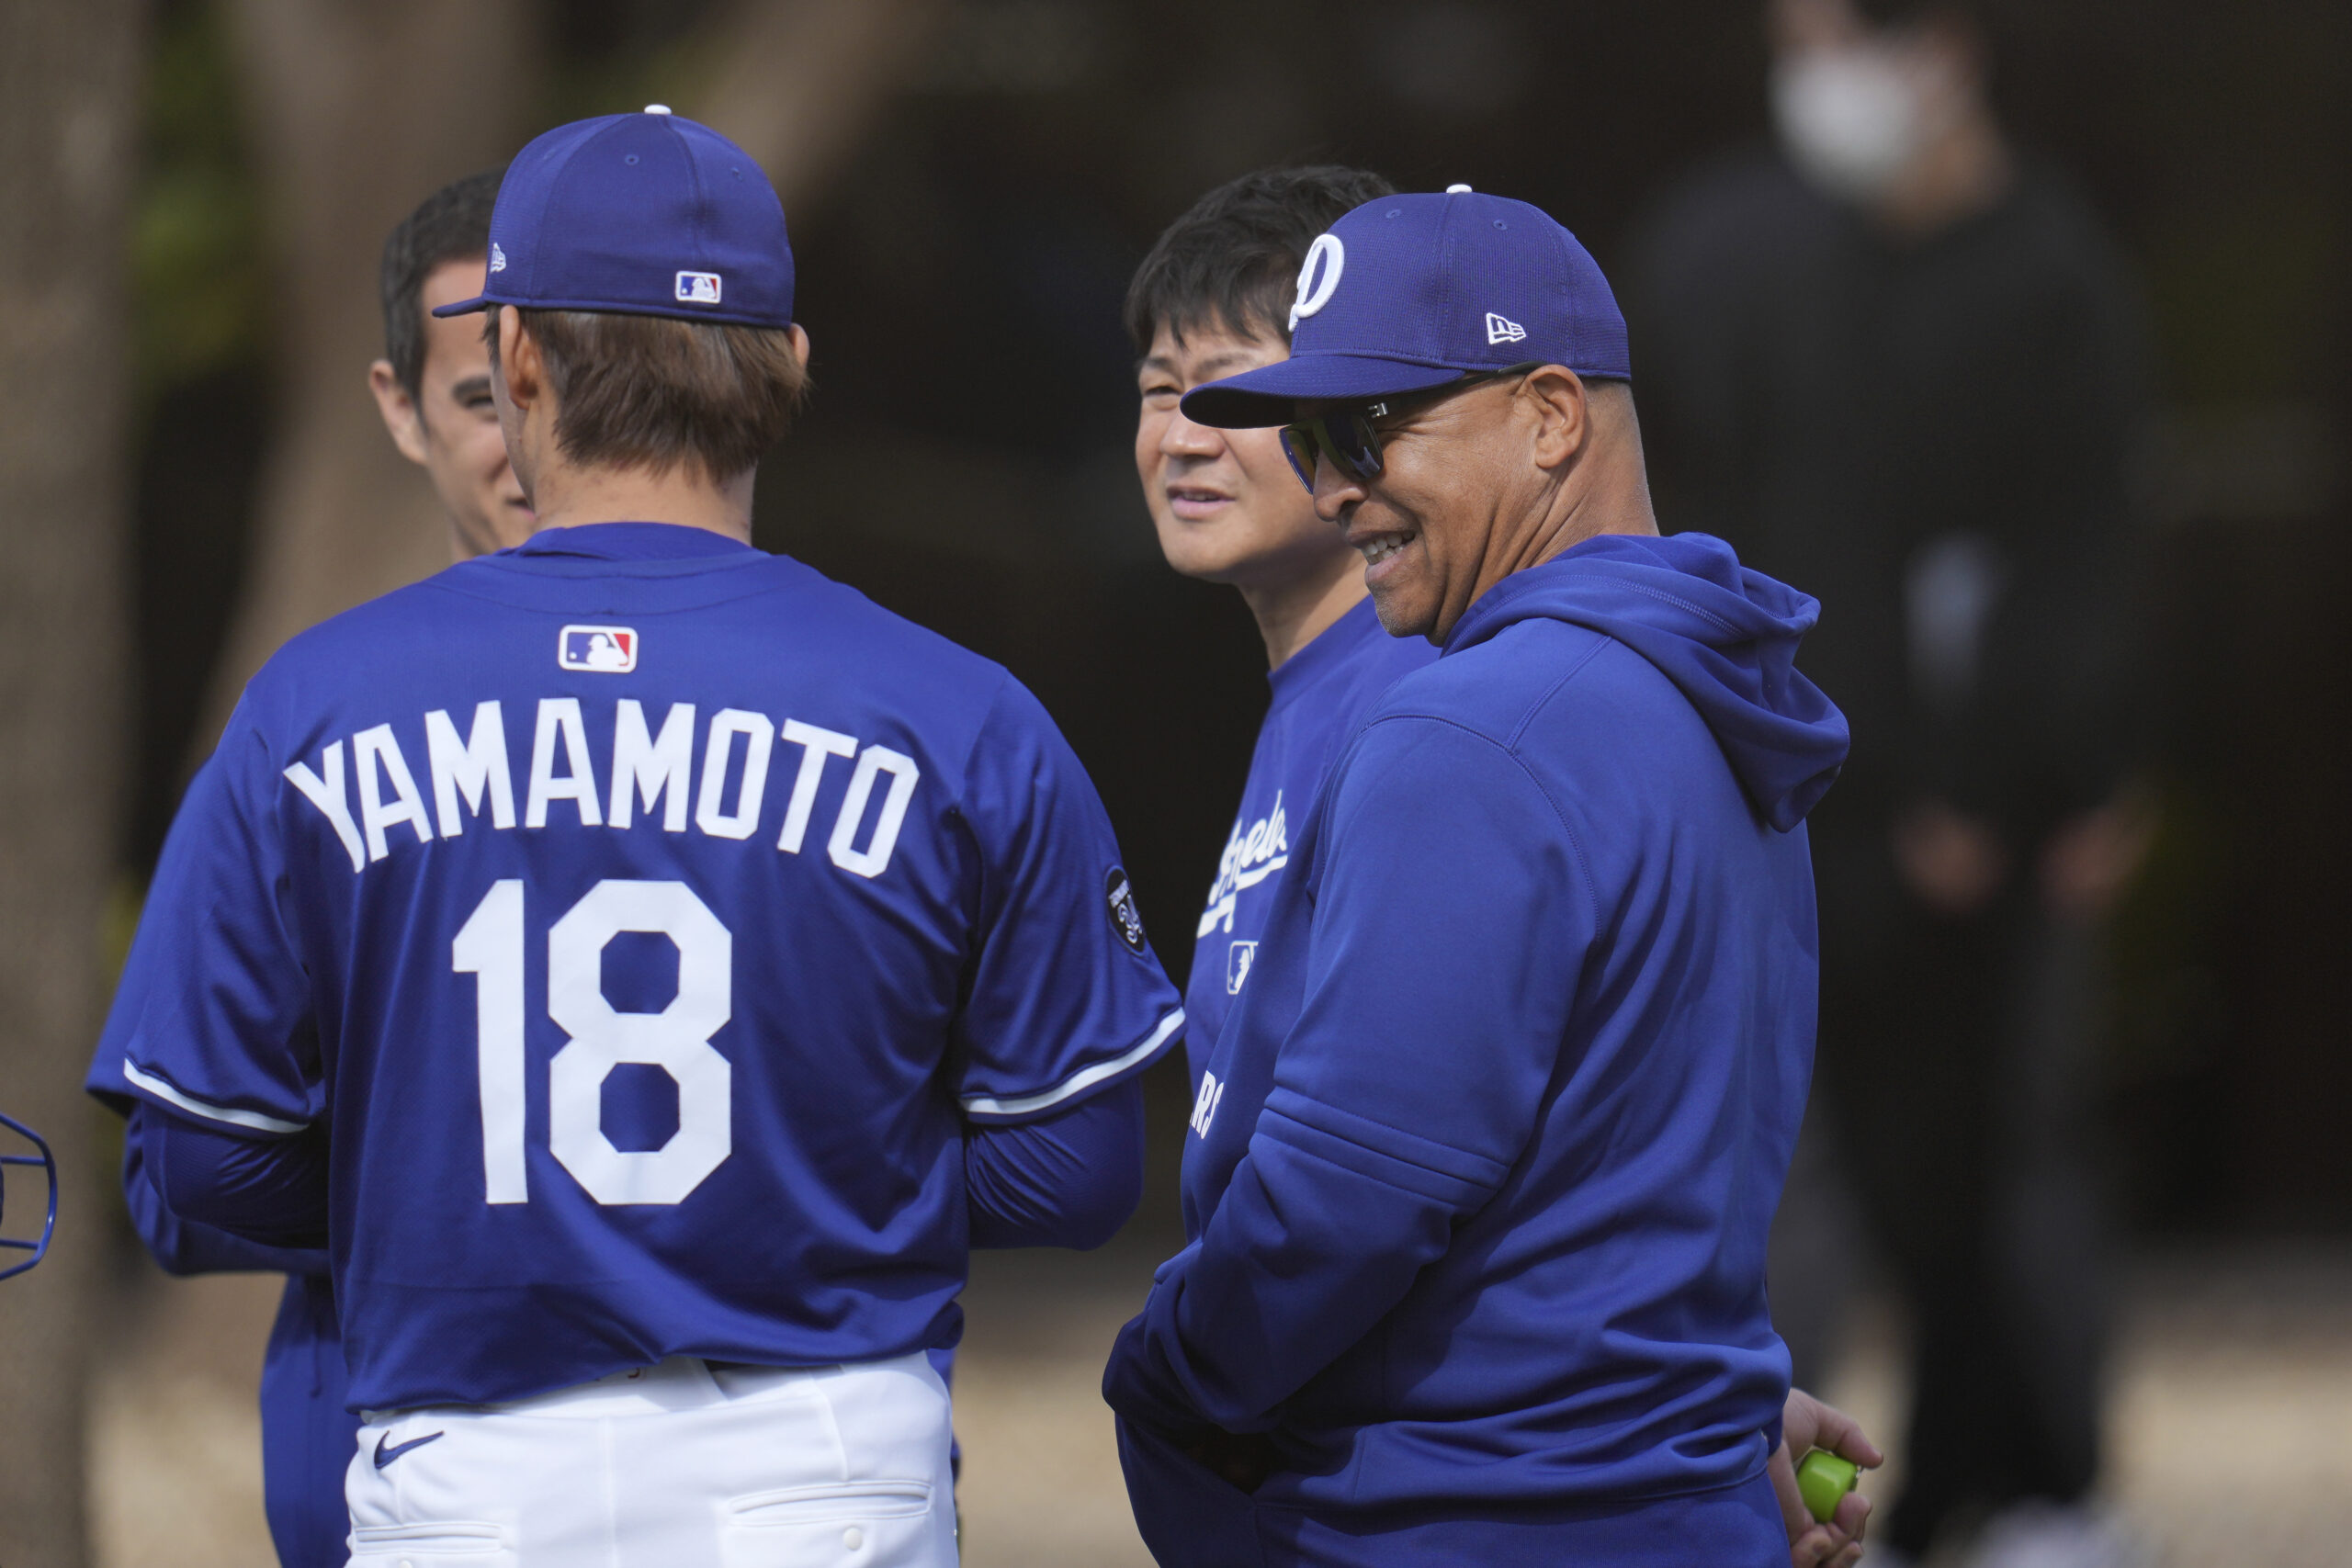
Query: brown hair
(650, 392)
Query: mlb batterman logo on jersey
(607, 650)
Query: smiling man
(1212, 300)
(433, 384)
(1478, 1208)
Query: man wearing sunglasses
(1477, 1206)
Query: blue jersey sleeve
(223, 1028)
(190, 1246)
(1066, 996)
(178, 1246)
(1451, 925)
(271, 1189)
(1069, 1180)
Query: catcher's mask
(48, 1163)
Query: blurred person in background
(433, 387)
(1898, 363)
(1212, 300)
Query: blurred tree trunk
(69, 77)
(359, 109)
(800, 81)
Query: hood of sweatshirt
(1726, 635)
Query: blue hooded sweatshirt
(1478, 1201)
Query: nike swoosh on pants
(384, 1456)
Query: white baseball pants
(681, 1465)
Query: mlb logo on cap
(642, 215)
(604, 650)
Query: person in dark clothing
(1895, 362)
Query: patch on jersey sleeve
(607, 650)
(1124, 917)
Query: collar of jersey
(1332, 648)
(629, 542)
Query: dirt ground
(2230, 1414)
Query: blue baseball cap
(638, 215)
(1409, 292)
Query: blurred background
(195, 192)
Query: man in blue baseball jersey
(433, 387)
(1208, 301)
(1211, 301)
(646, 967)
(1479, 1203)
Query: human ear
(404, 421)
(1554, 396)
(517, 362)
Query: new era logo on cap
(604, 650)
(1502, 329)
(698, 288)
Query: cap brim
(1270, 395)
(464, 307)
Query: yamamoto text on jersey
(372, 799)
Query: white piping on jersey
(982, 1105)
(230, 1114)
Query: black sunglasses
(1346, 434)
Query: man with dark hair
(433, 384)
(1897, 362)
(1483, 1157)
(647, 1114)
(433, 388)
(1230, 262)
(1212, 300)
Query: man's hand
(1807, 1423)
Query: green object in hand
(1822, 1479)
